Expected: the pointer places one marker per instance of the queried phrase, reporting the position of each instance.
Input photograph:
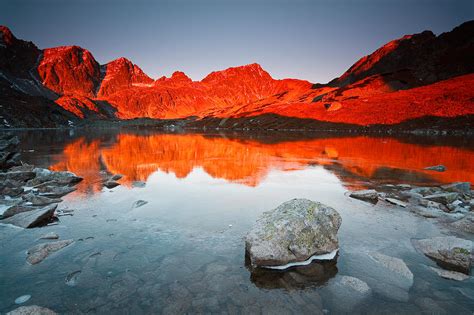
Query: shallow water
(183, 250)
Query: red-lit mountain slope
(409, 78)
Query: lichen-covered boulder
(293, 232)
(449, 252)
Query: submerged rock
(466, 224)
(365, 195)
(451, 275)
(31, 310)
(349, 289)
(138, 184)
(32, 218)
(139, 203)
(449, 252)
(386, 275)
(38, 253)
(293, 232)
(22, 299)
(437, 168)
(50, 236)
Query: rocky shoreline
(29, 195)
(452, 205)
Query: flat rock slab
(36, 200)
(449, 252)
(466, 224)
(50, 236)
(349, 289)
(38, 253)
(293, 232)
(385, 275)
(396, 202)
(32, 310)
(444, 198)
(32, 218)
(451, 275)
(54, 191)
(365, 195)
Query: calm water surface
(183, 251)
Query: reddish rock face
(69, 70)
(391, 85)
(121, 74)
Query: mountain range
(417, 81)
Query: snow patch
(328, 256)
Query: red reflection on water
(353, 159)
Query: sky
(304, 39)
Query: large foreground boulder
(449, 252)
(293, 232)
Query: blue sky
(312, 40)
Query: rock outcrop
(292, 233)
(29, 195)
(449, 252)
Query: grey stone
(464, 187)
(19, 176)
(466, 224)
(11, 211)
(22, 299)
(449, 252)
(111, 184)
(32, 310)
(293, 232)
(437, 168)
(365, 195)
(422, 190)
(396, 202)
(387, 276)
(116, 177)
(451, 275)
(58, 178)
(32, 218)
(50, 236)
(39, 252)
(139, 203)
(138, 184)
(39, 200)
(54, 191)
(444, 198)
(349, 289)
(427, 212)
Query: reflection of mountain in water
(247, 160)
